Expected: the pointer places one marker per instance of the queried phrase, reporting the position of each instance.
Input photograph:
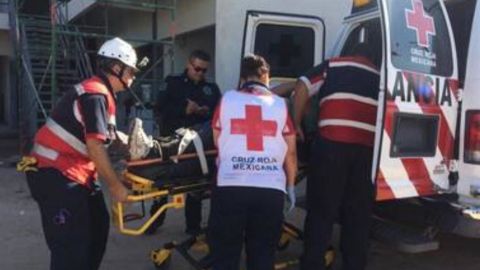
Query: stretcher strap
(189, 136)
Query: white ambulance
(427, 147)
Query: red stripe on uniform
(384, 192)
(48, 138)
(97, 136)
(348, 109)
(347, 135)
(316, 79)
(216, 117)
(356, 59)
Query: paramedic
(188, 100)
(339, 185)
(70, 150)
(256, 166)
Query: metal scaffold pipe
(53, 19)
(141, 4)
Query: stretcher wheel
(161, 258)
(161, 219)
(330, 257)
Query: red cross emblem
(254, 127)
(421, 22)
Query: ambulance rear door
(469, 155)
(418, 100)
(290, 43)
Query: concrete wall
(76, 7)
(190, 16)
(5, 105)
(4, 21)
(228, 16)
(5, 44)
(5, 91)
(203, 39)
(230, 21)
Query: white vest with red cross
(251, 145)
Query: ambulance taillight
(472, 137)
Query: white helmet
(121, 50)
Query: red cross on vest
(421, 22)
(254, 127)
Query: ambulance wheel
(283, 242)
(161, 258)
(161, 219)
(330, 257)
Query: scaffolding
(55, 54)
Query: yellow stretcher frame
(144, 190)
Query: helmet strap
(118, 75)
(103, 76)
(129, 89)
(126, 87)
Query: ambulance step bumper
(402, 238)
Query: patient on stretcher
(187, 155)
(184, 156)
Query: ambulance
(427, 145)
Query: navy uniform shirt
(172, 102)
(347, 89)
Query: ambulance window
(420, 40)
(414, 135)
(288, 49)
(368, 32)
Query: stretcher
(172, 192)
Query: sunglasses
(199, 69)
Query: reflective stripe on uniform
(45, 151)
(353, 64)
(346, 123)
(66, 136)
(345, 95)
(112, 120)
(76, 112)
(80, 90)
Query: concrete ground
(22, 245)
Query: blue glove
(291, 197)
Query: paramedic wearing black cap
(257, 165)
(70, 150)
(189, 100)
(339, 185)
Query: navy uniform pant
(339, 187)
(75, 220)
(245, 214)
(193, 213)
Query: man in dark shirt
(188, 100)
(339, 185)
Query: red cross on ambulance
(419, 20)
(254, 127)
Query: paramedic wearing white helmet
(257, 164)
(70, 150)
